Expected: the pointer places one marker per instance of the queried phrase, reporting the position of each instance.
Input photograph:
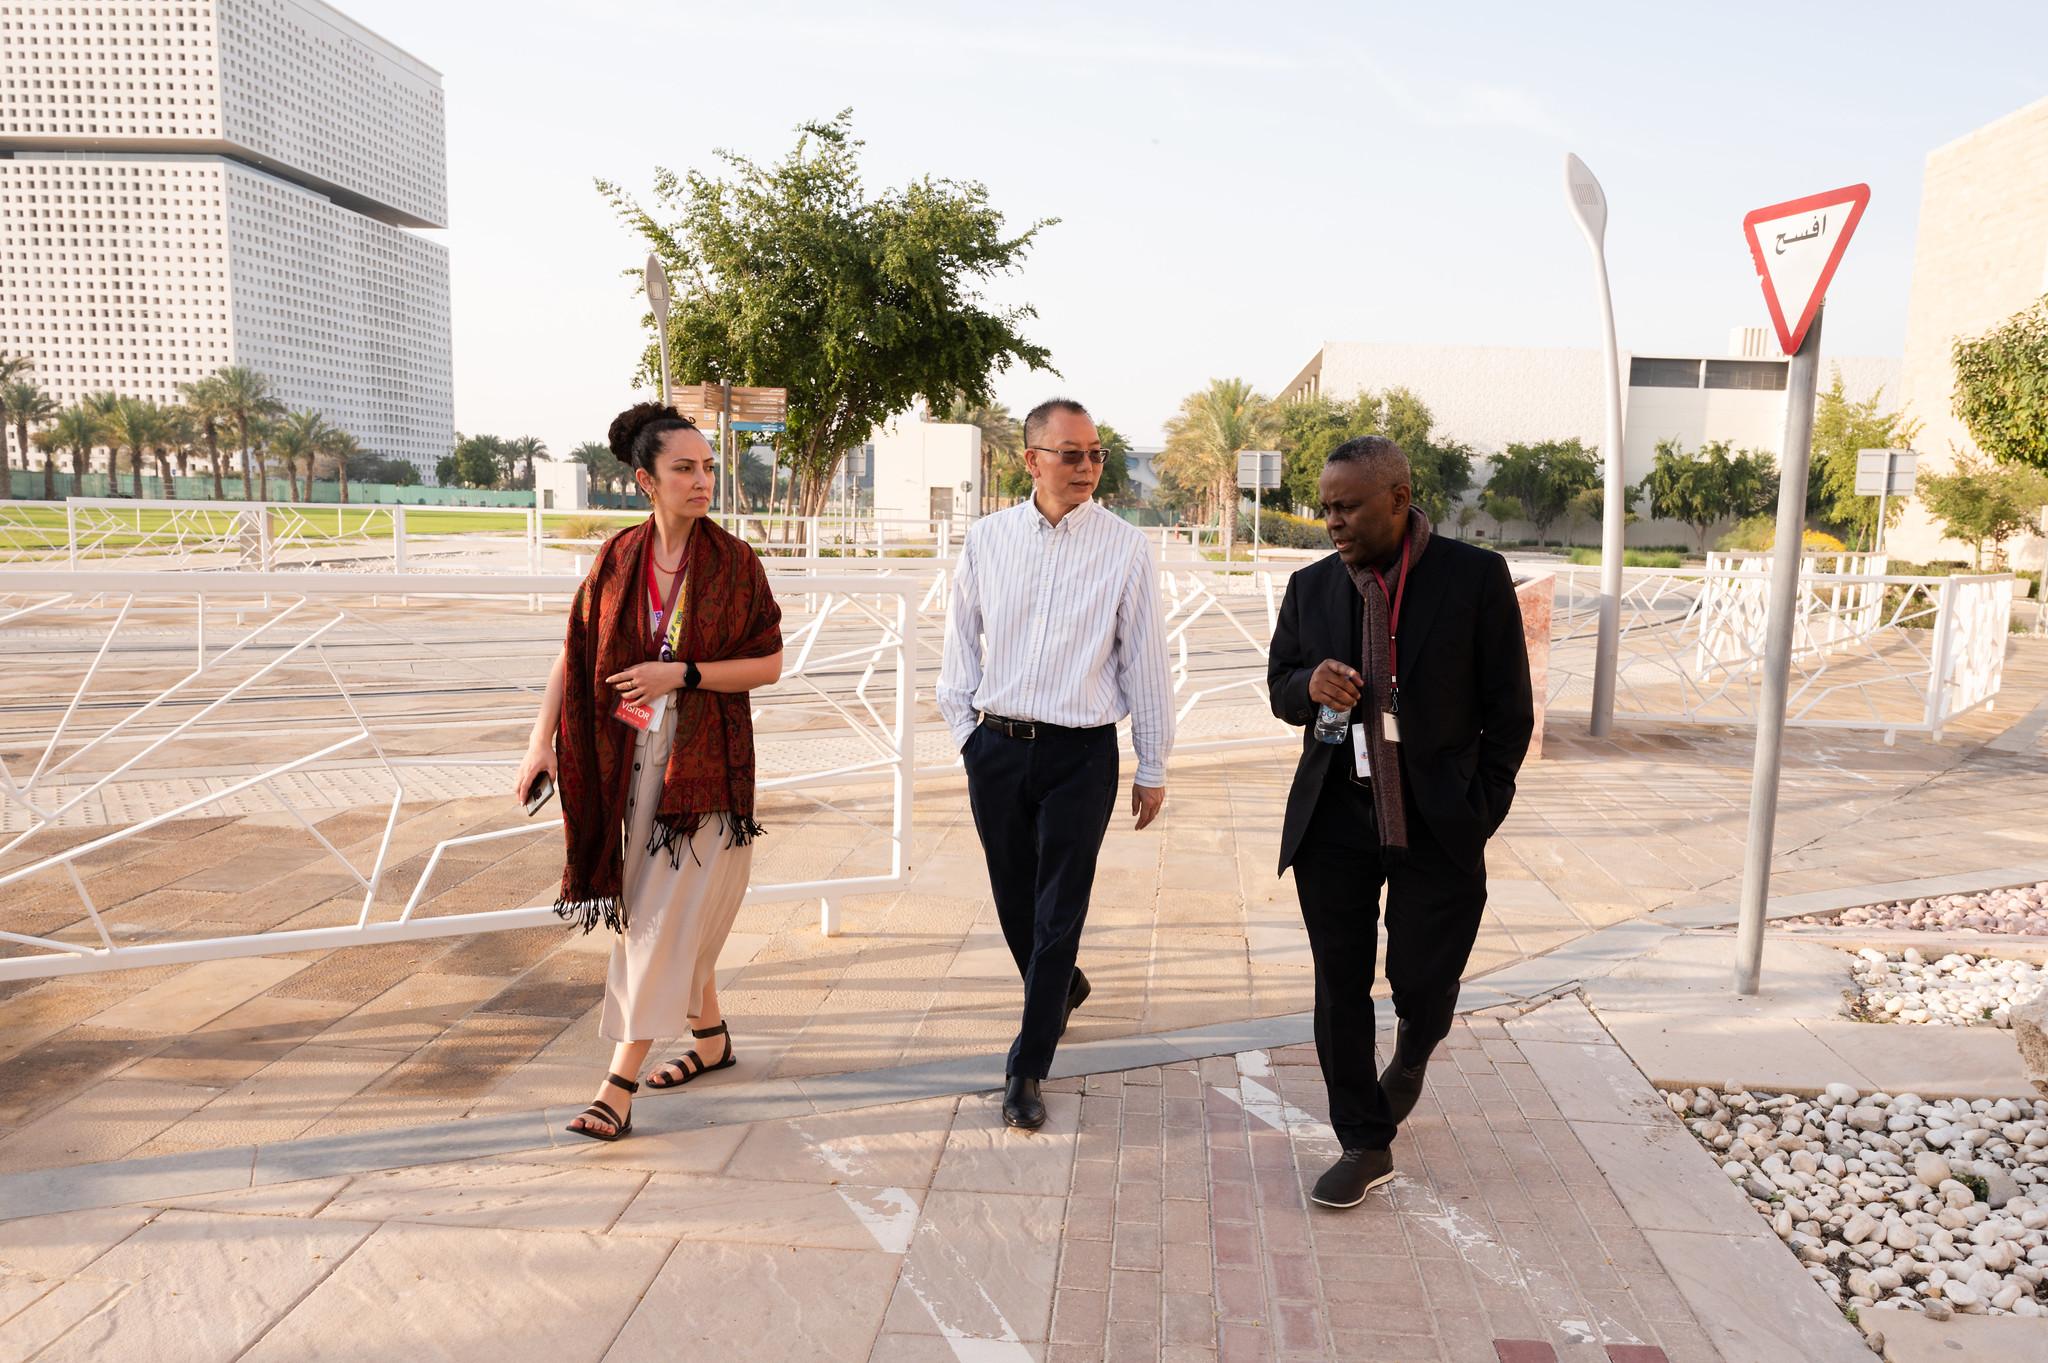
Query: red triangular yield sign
(1796, 246)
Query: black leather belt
(1031, 729)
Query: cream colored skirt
(677, 915)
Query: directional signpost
(1260, 472)
(1796, 247)
(1882, 474)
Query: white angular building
(190, 185)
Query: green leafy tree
(792, 275)
(1983, 503)
(1115, 487)
(1502, 508)
(480, 460)
(1841, 428)
(1590, 505)
(1440, 469)
(446, 472)
(1704, 489)
(1204, 438)
(2001, 389)
(25, 405)
(297, 440)
(1544, 476)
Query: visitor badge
(642, 715)
(1390, 726)
(1361, 764)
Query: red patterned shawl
(731, 613)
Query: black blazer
(1466, 714)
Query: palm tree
(22, 401)
(605, 471)
(246, 400)
(102, 406)
(180, 433)
(528, 448)
(339, 448)
(137, 425)
(203, 399)
(1203, 440)
(1002, 445)
(76, 429)
(299, 437)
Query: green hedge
(1630, 558)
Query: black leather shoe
(1356, 1173)
(1022, 1107)
(1403, 1087)
(1077, 994)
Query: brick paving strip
(1159, 1218)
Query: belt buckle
(1031, 731)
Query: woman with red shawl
(647, 731)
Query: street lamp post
(657, 298)
(1589, 209)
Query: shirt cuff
(963, 731)
(1152, 774)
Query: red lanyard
(1394, 622)
(654, 595)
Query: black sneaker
(1403, 1087)
(1356, 1173)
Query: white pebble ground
(1956, 990)
(1896, 1203)
(2022, 909)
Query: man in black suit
(1407, 650)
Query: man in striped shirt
(1053, 636)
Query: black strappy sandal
(603, 1112)
(691, 1064)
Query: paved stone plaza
(311, 1133)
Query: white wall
(561, 485)
(913, 457)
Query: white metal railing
(113, 532)
(1896, 653)
(844, 711)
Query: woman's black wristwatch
(691, 676)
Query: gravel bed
(1893, 1202)
(2021, 910)
(1956, 990)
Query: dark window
(1768, 374)
(1663, 373)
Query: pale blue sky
(1236, 183)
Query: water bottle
(1332, 726)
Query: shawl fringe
(604, 909)
(674, 835)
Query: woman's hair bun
(627, 425)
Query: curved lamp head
(1588, 201)
(657, 289)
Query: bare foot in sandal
(609, 1117)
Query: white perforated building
(187, 186)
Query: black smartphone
(539, 793)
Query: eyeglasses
(1072, 458)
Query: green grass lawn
(43, 527)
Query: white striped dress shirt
(1069, 614)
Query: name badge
(1390, 726)
(1361, 764)
(641, 715)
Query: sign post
(657, 298)
(1589, 208)
(1260, 471)
(1883, 474)
(1795, 247)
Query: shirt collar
(1041, 523)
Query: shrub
(1630, 558)
(1761, 532)
(589, 528)
(1285, 531)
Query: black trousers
(1433, 910)
(1041, 807)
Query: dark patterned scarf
(730, 613)
(1378, 670)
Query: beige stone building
(1982, 255)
